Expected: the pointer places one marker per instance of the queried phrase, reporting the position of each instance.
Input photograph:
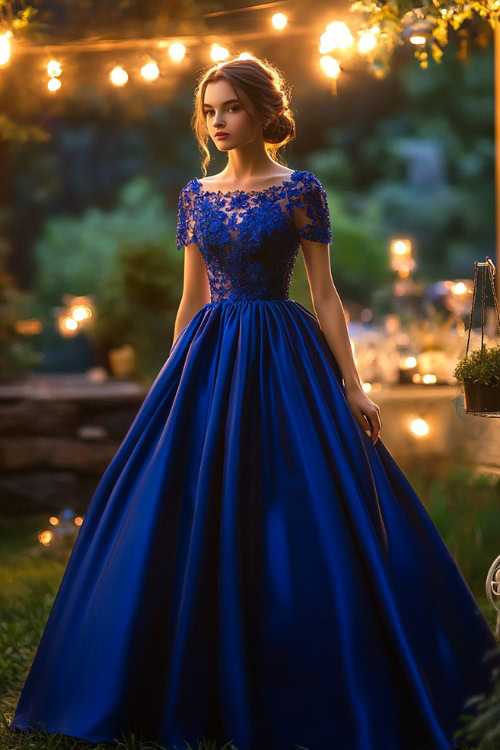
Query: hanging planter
(479, 371)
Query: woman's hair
(263, 90)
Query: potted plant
(479, 372)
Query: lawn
(464, 508)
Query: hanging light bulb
(330, 65)
(176, 51)
(218, 53)
(5, 47)
(150, 71)
(54, 68)
(279, 21)
(118, 76)
(54, 84)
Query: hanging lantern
(479, 371)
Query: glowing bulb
(54, 68)
(5, 49)
(177, 51)
(367, 387)
(150, 71)
(80, 312)
(429, 377)
(218, 53)
(336, 36)
(45, 537)
(279, 20)
(419, 427)
(54, 520)
(118, 76)
(53, 84)
(459, 288)
(330, 65)
(408, 363)
(78, 520)
(367, 41)
(417, 39)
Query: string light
(279, 21)
(150, 71)
(118, 76)
(177, 52)
(368, 40)
(5, 47)
(331, 66)
(54, 70)
(218, 53)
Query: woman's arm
(330, 314)
(196, 289)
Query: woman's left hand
(365, 411)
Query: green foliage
(17, 355)
(480, 366)
(125, 258)
(483, 728)
(138, 304)
(76, 255)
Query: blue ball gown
(251, 566)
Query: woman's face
(225, 112)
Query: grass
(463, 507)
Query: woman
(253, 565)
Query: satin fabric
(253, 568)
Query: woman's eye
(210, 111)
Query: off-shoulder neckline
(292, 178)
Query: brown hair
(268, 94)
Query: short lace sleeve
(186, 232)
(312, 216)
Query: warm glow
(45, 537)
(177, 51)
(28, 327)
(429, 378)
(80, 312)
(419, 427)
(367, 387)
(78, 520)
(54, 84)
(54, 68)
(368, 40)
(67, 325)
(401, 247)
(218, 53)
(336, 36)
(330, 66)
(279, 20)
(150, 71)
(417, 39)
(54, 520)
(459, 288)
(5, 49)
(246, 56)
(407, 363)
(118, 76)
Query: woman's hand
(365, 411)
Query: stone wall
(59, 433)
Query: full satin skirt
(253, 568)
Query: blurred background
(395, 110)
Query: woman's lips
(221, 135)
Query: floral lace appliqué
(249, 240)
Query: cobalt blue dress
(251, 566)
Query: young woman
(253, 565)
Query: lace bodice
(249, 240)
